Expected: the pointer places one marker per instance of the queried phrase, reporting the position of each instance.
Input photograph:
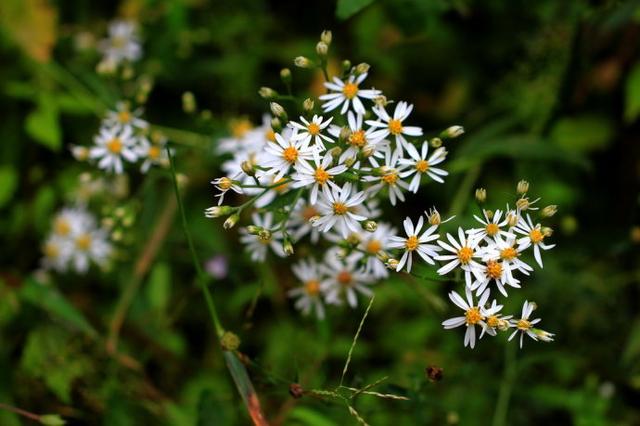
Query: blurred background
(547, 91)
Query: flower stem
(506, 386)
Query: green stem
(506, 386)
(194, 256)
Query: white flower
(312, 130)
(393, 125)
(284, 154)
(257, 244)
(72, 221)
(506, 251)
(346, 92)
(91, 245)
(374, 243)
(245, 138)
(345, 278)
(419, 164)
(309, 294)
(123, 117)
(416, 242)
(153, 154)
(369, 140)
(299, 223)
(524, 325)
(494, 320)
(474, 314)
(225, 184)
(122, 44)
(319, 174)
(336, 207)
(462, 254)
(390, 177)
(534, 236)
(57, 252)
(492, 227)
(112, 146)
(498, 272)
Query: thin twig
(355, 340)
(20, 411)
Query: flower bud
(188, 102)
(350, 161)
(503, 325)
(277, 109)
(512, 220)
(248, 168)
(392, 264)
(481, 195)
(80, 153)
(346, 65)
(287, 246)
(267, 93)
(452, 132)
(353, 239)
(433, 216)
(370, 226)
(489, 214)
(217, 211)
(380, 101)
(117, 235)
(523, 204)
(322, 49)
(285, 75)
(435, 143)
(253, 229)
(326, 37)
(367, 151)
(543, 335)
(335, 152)
(546, 231)
(229, 341)
(362, 68)
(303, 62)
(549, 211)
(231, 221)
(523, 187)
(308, 105)
(276, 124)
(345, 132)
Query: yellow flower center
(422, 166)
(492, 229)
(494, 269)
(312, 287)
(313, 129)
(523, 324)
(465, 254)
(493, 321)
(309, 212)
(83, 242)
(508, 253)
(374, 246)
(395, 126)
(270, 135)
(473, 316)
(239, 128)
(115, 146)
(51, 250)
(340, 208)
(62, 227)
(225, 183)
(350, 90)
(412, 243)
(390, 178)
(119, 42)
(282, 187)
(265, 236)
(124, 117)
(290, 154)
(344, 278)
(357, 138)
(154, 152)
(536, 236)
(322, 176)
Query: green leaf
(8, 183)
(52, 420)
(348, 8)
(632, 95)
(583, 133)
(52, 301)
(43, 123)
(159, 287)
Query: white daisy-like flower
(336, 207)
(299, 224)
(123, 117)
(524, 325)
(474, 314)
(533, 237)
(71, 221)
(122, 43)
(394, 125)
(414, 242)
(309, 295)
(492, 227)
(56, 250)
(494, 320)
(463, 253)
(419, 165)
(507, 252)
(245, 138)
(284, 154)
(496, 271)
(347, 92)
(372, 245)
(112, 146)
(224, 184)
(388, 176)
(359, 140)
(91, 245)
(258, 244)
(344, 278)
(152, 153)
(310, 131)
(319, 174)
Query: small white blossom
(318, 174)
(258, 245)
(122, 43)
(123, 117)
(284, 154)
(416, 242)
(419, 165)
(309, 294)
(112, 146)
(336, 206)
(524, 325)
(474, 314)
(346, 93)
(311, 131)
(345, 279)
(394, 125)
(533, 237)
(463, 253)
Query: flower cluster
(75, 242)
(121, 46)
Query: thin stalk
(21, 412)
(506, 386)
